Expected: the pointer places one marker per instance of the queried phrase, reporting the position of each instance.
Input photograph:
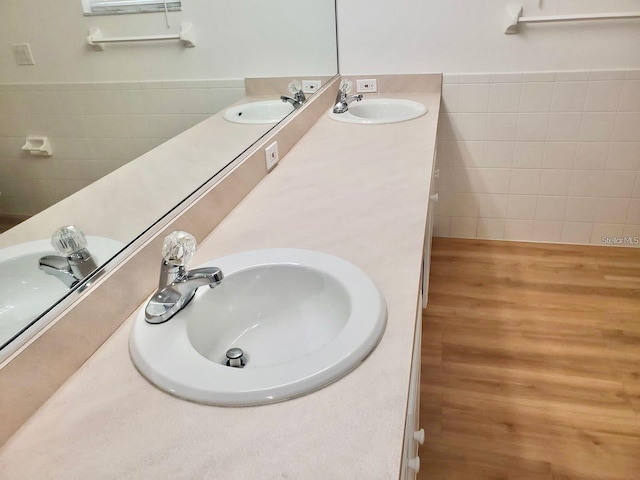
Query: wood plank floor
(531, 362)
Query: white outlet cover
(311, 86)
(367, 85)
(271, 155)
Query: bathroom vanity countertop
(358, 192)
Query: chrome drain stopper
(235, 358)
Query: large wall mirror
(110, 113)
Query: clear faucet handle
(178, 248)
(346, 86)
(68, 240)
(295, 87)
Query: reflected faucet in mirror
(74, 262)
(299, 97)
(178, 285)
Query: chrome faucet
(299, 98)
(343, 99)
(74, 262)
(178, 285)
(293, 101)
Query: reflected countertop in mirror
(128, 200)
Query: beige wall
(252, 38)
(467, 36)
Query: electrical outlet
(311, 86)
(367, 85)
(22, 54)
(271, 155)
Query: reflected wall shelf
(187, 36)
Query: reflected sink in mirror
(269, 111)
(380, 110)
(302, 319)
(26, 290)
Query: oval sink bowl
(270, 111)
(380, 110)
(303, 319)
(26, 290)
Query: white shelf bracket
(94, 39)
(512, 18)
(188, 35)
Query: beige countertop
(359, 192)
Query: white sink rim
(164, 355)
(276, 110)
(413, 110)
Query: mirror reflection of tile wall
(94, 129)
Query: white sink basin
(303, 319)
(26, 291)
(270, 111)
(380, 110)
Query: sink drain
(235, 358)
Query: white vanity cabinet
(413, 434)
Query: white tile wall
(544, 156)
(94, 128)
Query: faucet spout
(293, 101)
(343, 100)
(172, 298)
(58, 267)
(199, 277)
